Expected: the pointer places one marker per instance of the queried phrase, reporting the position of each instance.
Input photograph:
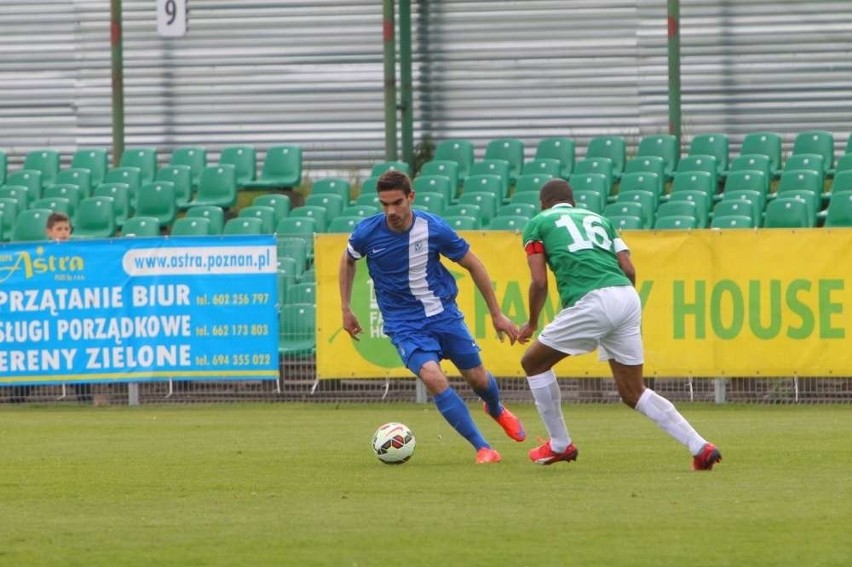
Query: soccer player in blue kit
(417, 298)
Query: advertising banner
(138, 309)
(715, 303)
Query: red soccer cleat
(487, 455)
(706, 458)
(544, 455)
(510, 424)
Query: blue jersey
(409, 280)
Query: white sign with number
(171, 18)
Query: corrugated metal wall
(266, 72)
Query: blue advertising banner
(138, 309)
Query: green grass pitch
(292, 484)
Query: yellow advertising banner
(715, 303)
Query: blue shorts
(434, 339)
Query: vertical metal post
(115, 40)
(133, 394)
(390, 79)
(407, 100)
(720, 387)
(420, 392)
(674, 69)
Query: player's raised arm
(502, 324)
(346, 275)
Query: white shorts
(609, 319)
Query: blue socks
(454, 410)
(491, 396)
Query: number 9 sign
(171, 18)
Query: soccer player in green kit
(600, 309)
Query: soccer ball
(393, 443)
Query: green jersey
(580, 247)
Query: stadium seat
(368, 186)
(700, 163)
(262, 212)
(295, 247)
(29, 178)
(130, 176)
(763, 143)
(458, 150)
(646, 199)
(333, 186)
(73, 193)
(700, 181)
(332, 204)
(626, 209)
(282, 168)
(542, 166)
(819, 142)
(602, 166)
(212, 213)
(844, 163)
(30, 225)
(842, 182)
(654, 164)
(157, 200)
(180, 176)
(716, 145)
(626, 222)
(360, 210)
(445, 168)
(369, 199)
(806, 162)
(78, 176)
(589, 200)
(732, 221)
(9, 212)
(144, 159)
(528, 198)
(462, 222)
(297, 323)
(679, 209)
(531, 182)
(141, 226)
(787, 212)
(343, 224)
(17, 192)
(390, 165)
(518, 209)
(432, 202)
(302, 293)
(194, 157)
(244, 160)
(702, 204)
(280, 204)
(473, 211)
(191, 226)
(513, 223)
(811, 198)
(93, 159)
(613, 148)
(95, 218)
(736, 208)
(558, 148)
(285, 277)
(642, 181)
(793, 179)
(755, 162)
(484, 183)
(675, 222)
(304, 228)
(487, 201)
(510, 150)
(664, 146)
(757, 201)
(55, 204)
(120, 193)
(839, 212)
(497, 167)
(748, 180)
(216, 186)
(591, 182)
(319, 214)
(45, 161)
(437, 184)
(242, 225)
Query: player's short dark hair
(393, 180)
(556, 191)
(54, 218)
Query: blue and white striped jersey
(409, 280)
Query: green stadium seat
(144, 159)
(819, 142)
(295, 247)
(844, 163)
(679, 209)
(130, 176)
(510, 150)
(462, 222)
(72, 193)
(437, 184)
(194, 157)
(432, 202)
(445, 168)
(390, 165)
(31, 225)
(282, 168)
(29, 178)
(262, 212)
(343, 225)
(754, 162)
(626, 209)
(848, 149)
(305, 292)
(716, 145)
(243, 225)
(704, 163)
(692, 181)
(675, 222)
(483, 183)
(626, 222)
(513, 223)
(528, 198)
(498, 167)
(465, 210)
(285, 277)
(120, 193)
(787, 212)
(45, 161)
(558, 148)
(591, 182)
(9, 211)
(601, 165)
(180, 176)
(244, 160)
(664, 146)
(332, 204)
(95, 218)
(297, 323)
(191, 226)
(792, 179)
(309, 276)
(613, 148)
(763, 143)
(757, 200)
(646, 199)
(360, 211)
(78, 176)
(748, 180)
(141, 226)
(842, 182)
(654, 164)
(806, 162)
(642, 181)
(732, 221)
(55, 204)
(319, 214)
(518, 209)
(216, 186)
(93, 159)
(702, 204)
(589, 200)
(839, 212)
(531, 182)
(304, 228)
(157, 200)
(458, 150)
(333, 186)
(488, 204)
(212, 213)
(368, 186)
(547, 166)
(811, 198)
(280, 204)
(737, 208)
(17, 192)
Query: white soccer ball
(393, 443)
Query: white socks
(664, 414)
(548, 401)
